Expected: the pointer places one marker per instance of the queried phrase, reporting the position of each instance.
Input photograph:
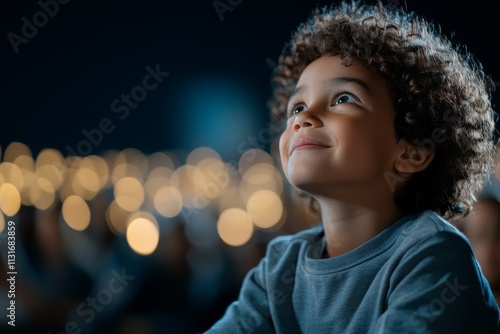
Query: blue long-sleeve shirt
(419, 275)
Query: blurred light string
(141, 192)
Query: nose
(306, 119)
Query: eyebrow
(336, 81)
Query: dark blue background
(65, 78)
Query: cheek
(283, 144)
(283, 150)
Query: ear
(412, 158)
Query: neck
(348, 223)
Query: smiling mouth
(305, 147)
(308, 144)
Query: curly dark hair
(441, 95)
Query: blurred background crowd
(129, 243)
(136, 156)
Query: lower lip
(309, 147)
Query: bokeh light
(10, 199)
(129, 193)
(265, 208)
(14, 150)
(189, 180)
(76, 213)
(143, 235)
(42, 193)
(116, 218)
(222, 202)
(2, 222)
(168, 201)
(12, 174)
(261, 176)
(235, 227)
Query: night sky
(71, 76)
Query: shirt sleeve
(438, 287)
(251, 312)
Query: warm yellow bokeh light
(99, 167)
(29, 179)
(52, 173)
(129, 193)
(116, 218)
(189, 180)
(157, 179)
(160, 173)
(50, 156)
(134, 161)
(131, 155)
(10, 199)
(160, 159)
(253, 157)
(125, 170)
(76, 186)
(25, 162)
(265, 208)
(201, 153)
(168, 201)
(66, 188)
(235, 227)
(217, 177)
(230, 199)
(262, 176)
(76, 213)
(88, 179)
(14, 150)
(141, 214)
(143, 236)
(12, 174)
(42, 193)
(2, 222)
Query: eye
(345, 98)
(297, 109)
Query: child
(389, 130)
(482, 228)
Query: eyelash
(337, 96)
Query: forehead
(326, 67)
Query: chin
(308, 187)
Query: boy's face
(340, 130)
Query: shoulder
(435, 274)
(428, 228)
(430, 246)
(427, 243)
